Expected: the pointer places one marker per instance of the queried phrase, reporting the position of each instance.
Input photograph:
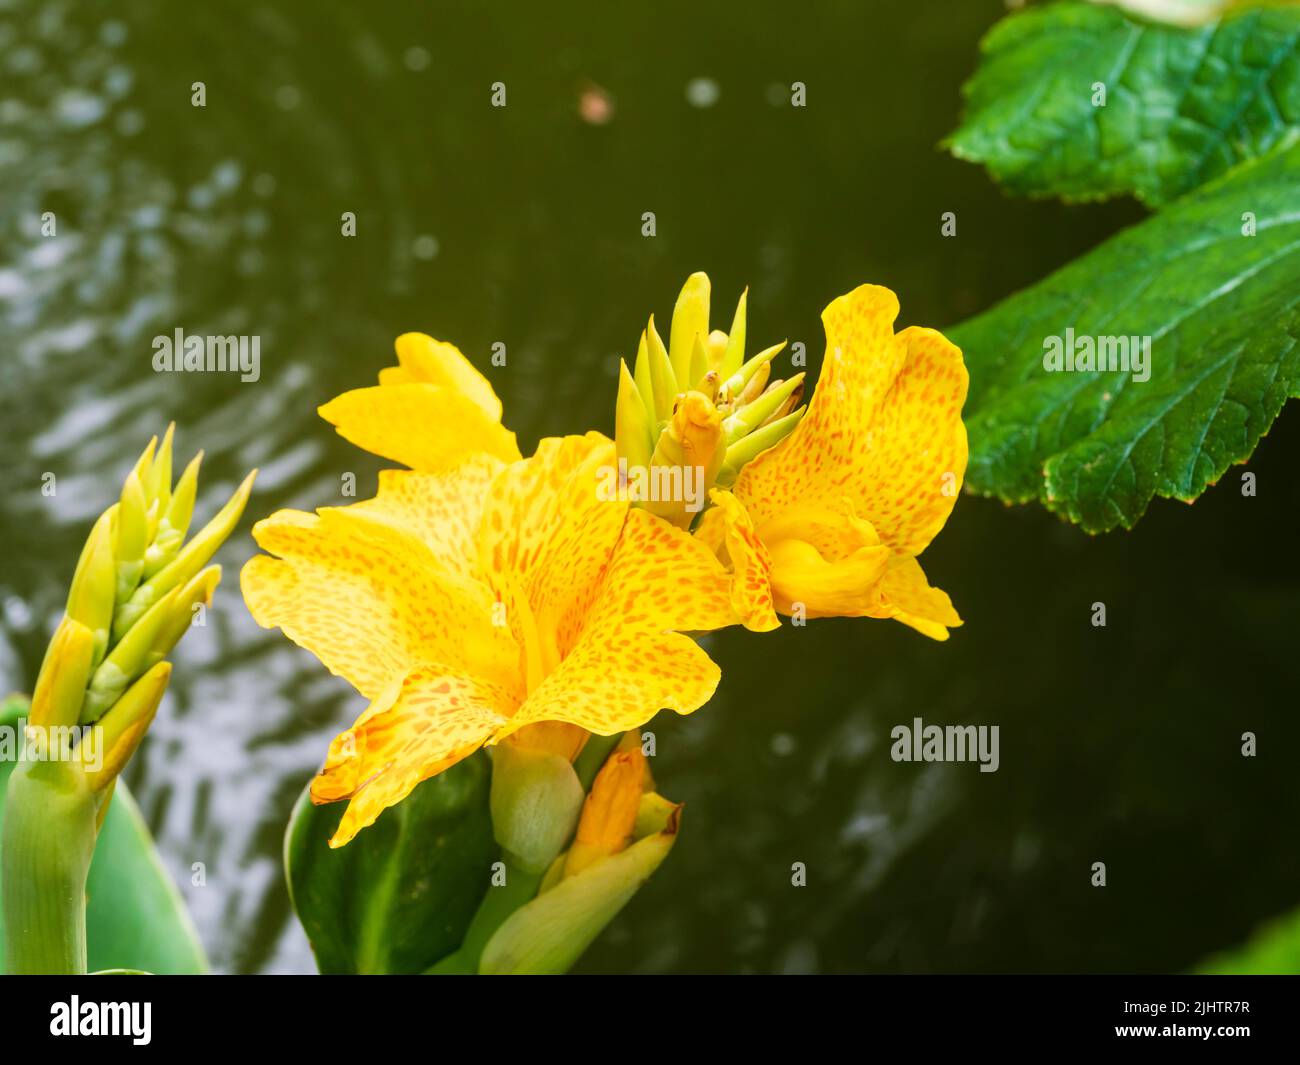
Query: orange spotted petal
(441, 509)
(429, 721)
(371, 601)
(629, 661)
(883, 430)
(728, 529)
(546, 535)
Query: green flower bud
(187, 562)
(535, 802)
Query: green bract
(400, 896)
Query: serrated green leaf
(1182, 105)
(135, 917)
(399, 896)
(1223, 312)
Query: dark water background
(522, 225)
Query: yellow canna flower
(473, 602)
(429, 412)
(830, 521)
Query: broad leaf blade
(135, 917)
(1182, 105)
(1222, 311)
(399, 897)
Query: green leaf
(135, 916)
(1182, 105)
(1221, 309)
(1273, 950)
(400, 896)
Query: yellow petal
(826, 588)
(906, 595)
(883, 430)
(370, 600)
(918, 445)
(546, 535)
(439, 363)
(441, 509)
(427, 427)
(629, 661)
(429, 721)
(728, 528)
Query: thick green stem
(49, 838)
(499, 903)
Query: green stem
(49, 838)
(499, 903)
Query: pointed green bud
(191, 558)
(641, 375)
(699, 359)
(132, 536)
(632, 435)
(750, 447)
(175, 523)
(535, 802)
(158, 483)
(56, 700)
(126, 661)
(735, 356)
(120, 731)
(690, 320)
(145, 461)
(738, 381)
(180, 616)
(754, 414)
(661, 373)
(755, 386)
(94, 586)
(550, 933)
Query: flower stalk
(132, 597)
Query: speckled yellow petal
(611, 686)
(909, 482)
(883, 430)
(547, 533)
(441, 509)
(906, 595)
(727, 527)
(629, 661)
(370, 600)
(820, 460)
(439, 363)
(427, 427)
(434, 718)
